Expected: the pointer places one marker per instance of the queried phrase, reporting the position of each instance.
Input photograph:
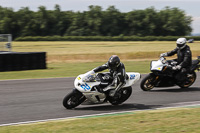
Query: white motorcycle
(87, 86)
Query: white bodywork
(158, 65)
(85, 87)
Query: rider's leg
(181, 76)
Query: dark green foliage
(102, 38)
(94, 23)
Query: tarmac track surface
(40, 99)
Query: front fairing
(84, 83)
(157, 65)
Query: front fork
(155, 79)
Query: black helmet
(113, 62)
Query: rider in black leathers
(184, 58)
(117, 72)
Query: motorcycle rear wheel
(147, 83)
(123, 96)
(73, 99)
(191, 79)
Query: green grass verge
(157, 121)
(70, 70)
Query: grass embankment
(69, 59)
(100, 51)
(157, 121)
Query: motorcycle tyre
(123, 98)
(143, 82)
(191, 83)
(79, 98)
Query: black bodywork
(166, 77)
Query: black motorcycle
(162, 75)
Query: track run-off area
(29, 100)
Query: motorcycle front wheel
(73, 99)
(147, 83)
(123, 95)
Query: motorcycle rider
(184, 59)
(117, 73)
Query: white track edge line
(101, 114)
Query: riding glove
(178, 67)
(163, 55)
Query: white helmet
(181, 43)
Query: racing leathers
(184, 61)
(184, 56)
(118, 75)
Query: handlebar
(163, 59)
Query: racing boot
(114, 93)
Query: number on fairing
(85, 87)
(132, 76)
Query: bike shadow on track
(192, 89)
(121, 107)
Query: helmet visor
(180, 45)
(112, 66)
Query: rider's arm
(173, 52)
(101, 68)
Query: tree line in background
(94, 22)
